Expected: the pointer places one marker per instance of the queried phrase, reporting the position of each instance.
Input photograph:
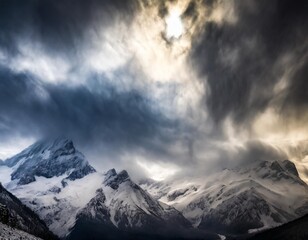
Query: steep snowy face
(53, 179)
(259, 195)
(48, 159)
(96, 209)
(57, 204)
(56, 182)
(14, 213)
(246, 210)
(120, 203)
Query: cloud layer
(105, 73)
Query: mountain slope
(48, 177)
(57, 182)
(295, 230)
(260, 195)
(17, 215)
(48, 158)
(121, 207)
(9, 233)
(53, 179)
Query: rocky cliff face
(49, 159)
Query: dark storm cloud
(100, 117)
(232, 157)
(121, 120)
(59, 25)
(295, 98)
(256, 151)
(242, 61)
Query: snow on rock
(258, 196)
(53, 179)
(48, 158)
(56, 182)
(55, 204)
(121, 203)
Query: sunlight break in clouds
(158, 172)
(193, 72)
(174, 24)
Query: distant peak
(59, 142)
(110, 176)
(123, 175)
(48, 158)
(50, 144)
(64, 140)
(290, 167)
(113, 179)
(111, 172)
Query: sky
(164, 89)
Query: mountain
(75, 201)
(9, 233)
(121, 204)
(13, 213)
(50, 178)
(259, 195)
(56, 181)
(295, 230)
(48, 158)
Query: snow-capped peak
(49, 158)
(120, 203)
(257, 195)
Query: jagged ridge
(120, 205)
(49, 158)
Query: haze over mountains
(55, 180)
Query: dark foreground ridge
(87, 229)
(15, 214)
(295, 230)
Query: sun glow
(174, 25)
(158, 172)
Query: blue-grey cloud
(59, 25)
(242, 62)
(31, 106)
